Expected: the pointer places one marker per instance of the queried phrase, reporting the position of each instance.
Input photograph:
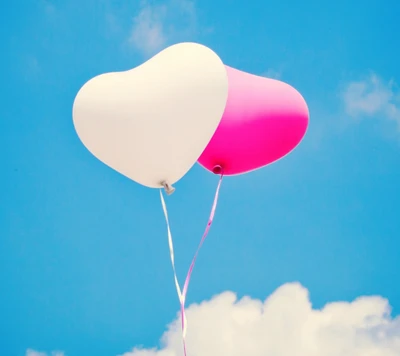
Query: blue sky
(84, 263)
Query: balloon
(264, 120)
(152, 123)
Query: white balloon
(152, 123)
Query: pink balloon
(263, 121)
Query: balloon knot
(169, 189)
(217, 169)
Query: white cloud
(285, 324)
(372, 97)
(31, 352)
(156, 26)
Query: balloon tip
(217, 169)
(169, 189)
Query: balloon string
(171, 245)
(182, 294)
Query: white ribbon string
(182, 295)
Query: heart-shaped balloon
(264, 120)
(152, 123)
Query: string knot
(169, 189)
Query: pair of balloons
(152, 123)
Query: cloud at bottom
(285, 324)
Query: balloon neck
(169, 189)
(217, 169)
